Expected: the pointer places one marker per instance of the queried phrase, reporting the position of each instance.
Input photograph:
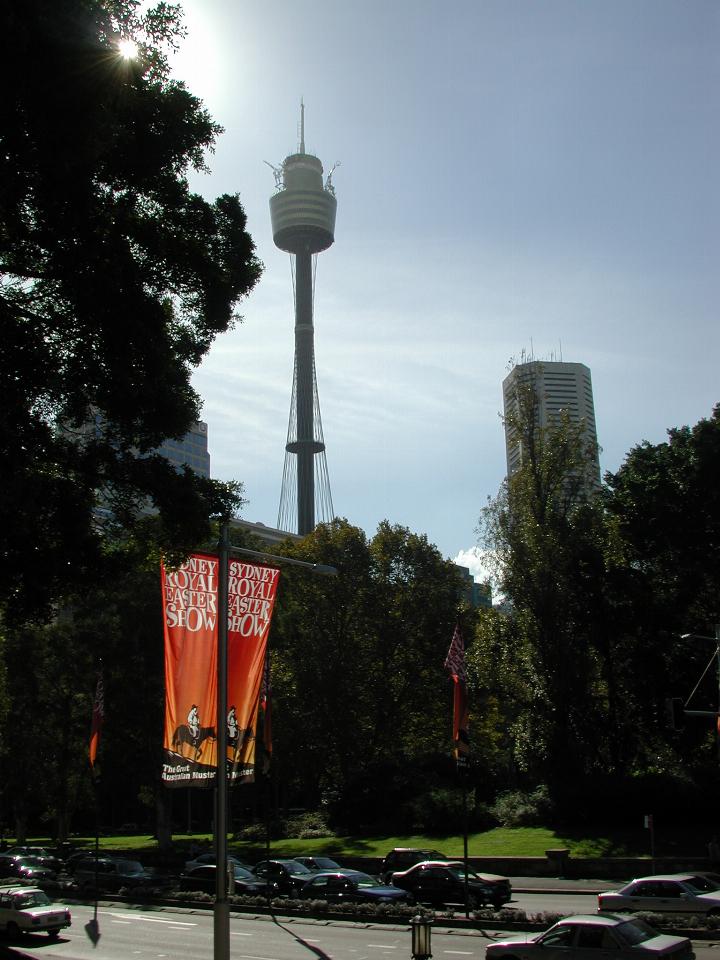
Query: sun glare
(127, 49)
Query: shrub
(516, 808)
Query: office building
(560, 388)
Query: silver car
(665, 893)
(590, 937)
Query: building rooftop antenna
(302, 126)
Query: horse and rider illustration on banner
(190, 615)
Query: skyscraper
(559, 387)
(190, 450)
(303, 224)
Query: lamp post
(421, 928)
(715, 657)
(221, 911)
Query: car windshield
(293, 867)
(459, 873)
(34, 898)
(130, 866)
(324, 863)
(633, 932)
(702, 884)
(242, 874)
(363, 880)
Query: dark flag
(98, 715)
(455, 665)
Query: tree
(543, 528)
(361, 696)
(665, 501)
(114, 281)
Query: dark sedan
(289, 876)
(47, 858)
(31, 868)
(319, 863)
(442, 882)
(204, 879)
(352, 886)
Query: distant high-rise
(560, 387)
(303, 224)
(190, 450)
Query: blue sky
(537, 176)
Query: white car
(29, 910)
(602, 935)
(664, 893)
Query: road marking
(383, 946)
(462, 953)
(233, 934)
(172, 923)
(247, 956)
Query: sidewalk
(562, 885)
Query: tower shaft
(305, 443)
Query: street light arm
(320, 568)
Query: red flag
(98, 715)
(455, 665)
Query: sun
(128, 49)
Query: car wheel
(13, 931)
(472, 902)
(498, 903)
(53, 934)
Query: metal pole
(717, 723)
(221, 912)
(465, 841)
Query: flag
(191, 612)
(98, 715)
(455, 665)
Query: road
(184, 935)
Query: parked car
(31, 868)
(71, 863)
(352, 886)
(400, 858)
(210, 858)
(288, 875)
(609, 936)
(318, 863)
(440, 882)
(47, 857)
(204, 878)
(29, 910)
(113, 875)
(664, 893)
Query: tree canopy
(115, 278)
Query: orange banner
(190, 608)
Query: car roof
(19, 888)
(665, 876)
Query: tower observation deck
(302, 212)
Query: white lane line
(247, 956)
(460, 953)
(382, 946)
(233, 934)
(121, 921)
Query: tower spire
(303, 221)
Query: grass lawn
(500, 842)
